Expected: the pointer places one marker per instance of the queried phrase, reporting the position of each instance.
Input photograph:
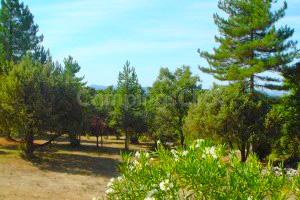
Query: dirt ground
(60, 172)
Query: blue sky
(102, 34)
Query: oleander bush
(201, 171)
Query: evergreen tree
(41, 100)
(73, 86)
(250, 43)
(26, 94)
(19, 34)
(128, 109)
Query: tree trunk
(248, 146)
(79, 138)
(126, 140)
(28, 145)
(101, 140)
(117, 135)
(243, 152)
(252, 85)
(97, 141)
(182, 140)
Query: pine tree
(74, 85)
(128, 111)
(19, 34)
(250, 43)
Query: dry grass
(60, 172)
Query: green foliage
(199, 172)
(128, 112)
(103, 103)
(18, 33)
(24, 98)
(37, 99)
(283, 120)
(250, 43)
(87, 95)
(229, 114)
(168, 102)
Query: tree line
(45, 99)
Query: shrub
(201, 171)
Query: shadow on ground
(84, 148)
(86, 159)
(77, 164)
(3, 152)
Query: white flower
(149, 198)
(169, 143)
(291, 172)
(150, 194)
(109, 191)
(131, 167)
(165, 185)
(199, 141)
(210, 152)
(185, 153)
(137, 154)
(135, 163)
(158, 142)
(120, 178)
(112, 179)
(162, 186)
(278, 171)
(174, 152)
(147, 155)
(111, 182)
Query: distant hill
(146, 89)
(98, 87)
(102, 87)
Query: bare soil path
(61, 172)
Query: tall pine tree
(128, 109)
(19, 34)
(250, 43)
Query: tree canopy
(169, 100)
(19, 34)
(128, 111)
(250, 43)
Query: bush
(202, 171)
